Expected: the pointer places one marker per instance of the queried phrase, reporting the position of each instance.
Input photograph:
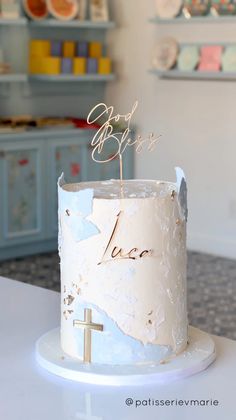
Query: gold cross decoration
(88, 326)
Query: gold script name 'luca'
(114, 252)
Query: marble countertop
(27, 392)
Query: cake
(123, 270)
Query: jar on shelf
(196, 7)
(223, 7)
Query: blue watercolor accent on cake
(75, 206)
(182, 191)
(111, 345)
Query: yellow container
(79, 65)
(95, 49)
(39, 48)
(104, 65)
(35, 65)
(51, 65)
(68, 49)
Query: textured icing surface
(110, 346)
(77, 207)
(131, 188)
(138, 290)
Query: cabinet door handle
(2, 154)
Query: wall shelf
(194, 75)
(13, 22)
(11, 78)
(23, 78)
(55, 23)
(195, 19)
(85, 24)
(72, 78)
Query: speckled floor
(211, 287)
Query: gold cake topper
(121, 139)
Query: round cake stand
(199, 354)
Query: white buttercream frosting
(139, 293)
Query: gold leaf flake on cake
(163, 362)
(76, 288)
(69, 300)
(67, 313)
(173, 194)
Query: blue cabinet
(21, 193)
(30, 165)
(66, 155)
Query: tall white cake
(123, 270)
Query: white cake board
(200, 353)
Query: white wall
(197, 120)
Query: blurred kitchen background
(178, 59)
